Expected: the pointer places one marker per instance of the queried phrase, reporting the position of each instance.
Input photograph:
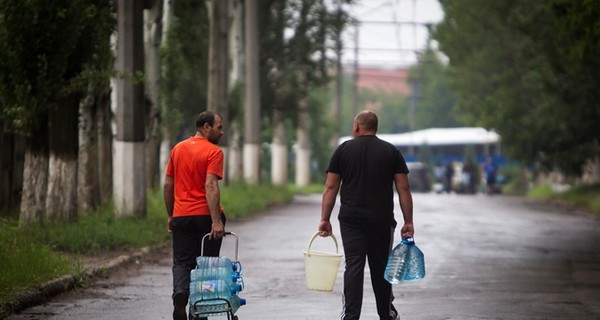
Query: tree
(47, 51)
(184, 72)
(530, 70)
(291, 67)
(435, 103)
(153, 37)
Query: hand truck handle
(237, 240)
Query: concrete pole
(129, 163)
(252, 96)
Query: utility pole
(129, 164)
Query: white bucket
(321, 267)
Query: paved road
(487, 258)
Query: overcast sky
(390, 31)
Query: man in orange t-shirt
(192, 198)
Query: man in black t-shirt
(367, 169)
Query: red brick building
(387, 80)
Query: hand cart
(211, 291)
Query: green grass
(34, 255)
(540, 192)
(24, 261)
(583, 196)
(586, 196)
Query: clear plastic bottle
(405, 262)
(209, 289)
(236, 303)
(213, 268)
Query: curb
(41, 293)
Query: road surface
(487, 257)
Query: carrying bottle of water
(405, 262)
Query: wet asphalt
(487, 257)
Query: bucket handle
(315, 236)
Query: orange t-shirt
(190, 162)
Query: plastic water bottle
(236, 303)
(406, 262)
(210, 289)
(213, 268)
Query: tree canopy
(49, 50)
(530, 70)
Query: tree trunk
(88, 195)
(251, 155)
(61, 199)
(152, 41)
(35, 178)
(234, 170)
(218, 71)
(337, 100)
(303, 151)
(105, 147)
(279, 151)
(165, 143)
(12, 145)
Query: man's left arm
(406, 203)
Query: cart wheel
(235, 318)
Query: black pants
(364, 238)
(187, 245)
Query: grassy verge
(31, 256)
(583, 196)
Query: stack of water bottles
(405, 262)
(214, 287)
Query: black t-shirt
(367, 166)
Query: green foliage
(26, 261)
(586, 196)
(49, 50)
(435, 104)
(530, 70)
(294, 36)
(100, 230)
(540, 192)
(516, 179)
(241, 200)
(183, 81)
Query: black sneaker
(179, 304)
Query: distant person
(438, 172)
(448, 175)
(468, 176)
(490, 175)
(192, 198)
(367, 168)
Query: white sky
(394, 44)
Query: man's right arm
(332, 185)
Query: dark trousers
(364, 238)
(187, 245)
